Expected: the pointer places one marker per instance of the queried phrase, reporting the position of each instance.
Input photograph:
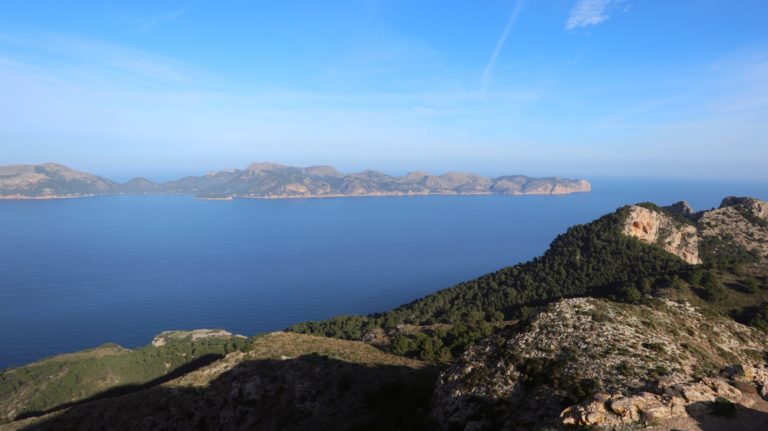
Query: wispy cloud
(148, 23)
(78, 55)
(500, 42)
(63, 94)
(588, 13)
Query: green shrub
(712, 288)
(751, 285)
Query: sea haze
(77, 273)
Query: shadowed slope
(285, 381)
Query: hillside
(636, 251)
(50, 180)
(108, 369)
(601, 364)
(270, 180)
(280, 381)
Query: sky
(588, 88)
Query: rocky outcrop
(669, 400)
(753, 207)
(682, 208)
(740, 223)
(657, 227)
(592, 361)
(165, 337)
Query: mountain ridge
(263, 180)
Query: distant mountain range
(270, 180)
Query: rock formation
(739, 221)
(656, 227)
(670, 401)
(593, 362)
(682, 208)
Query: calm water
(78, 273)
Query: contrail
(500, 43)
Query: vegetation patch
(106, 371)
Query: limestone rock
(739, 221)
(655, 227)
(682, 208)
(651, 407)
(639, 361)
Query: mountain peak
(264, 166)
(682, 208)
(322, 171)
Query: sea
(77, 273)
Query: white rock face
(654, 227)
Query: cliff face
(738, 222)
(642, 361)
(656, 227)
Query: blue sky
(557, 87)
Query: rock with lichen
(587, 361)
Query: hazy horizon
(577, 88)
(159, 175)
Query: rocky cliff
(738, 223)
(657, 227)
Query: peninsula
(274, 181)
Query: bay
(77, 273)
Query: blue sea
(77, 273)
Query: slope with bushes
(600, 259)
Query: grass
(73, 377)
